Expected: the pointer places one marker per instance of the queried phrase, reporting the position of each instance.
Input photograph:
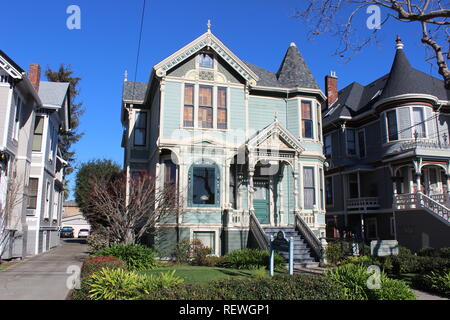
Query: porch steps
(302, 252)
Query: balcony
(426, 145)
(363, 204)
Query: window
(309, 188)
(362, 143)
(205, 110)
(392, 125)
(351, 142)
(206, 60)
(322, 198)
(329, 190)
(47, 201)
(371, 229)
(307, 122)
(319, 122)
(419, 122)
(32, 193)
(327, 146)
(204, 187)
(207, 238)
(56, 196)
(38, 132)
(170, 173)
(188, 120)
(222, 108)
(140, 128)
(353, 185)
(18, 102)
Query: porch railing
(420, 200)
(443, 198)
(314, 243)
(369, 203)
(425, 144)
(258, 232)
(237, 218)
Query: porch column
(227, 185)
(296, 208)
(251, 189)
(272, 201)
(281, 219)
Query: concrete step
(311, 265)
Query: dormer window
(206, 60)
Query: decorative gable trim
(206, 40)
(283, 134)
(10, 69)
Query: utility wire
(139, 48)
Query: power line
(139, 48)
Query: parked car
(66, 232)
(83, 233)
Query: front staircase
(303, 256)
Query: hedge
(279, 287)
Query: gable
(10, 67)
(211, 42)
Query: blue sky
(258, 31)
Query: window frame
(200, 106)
(214, 240)
(325, 146)
(185, 105)
(32, 195)
(363, 131)
(18, 102)
(313, 169)
(223, 108)
(211, 55)
(41, 134)
(135, 128)
(396, 125)
(329, 204)
(354, 141)
(302, 120)
(217, 184)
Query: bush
(183, 252)
(119, 284)
(436, 281)
(213, 261)
(279, 287)
(94, 264)
(251, 259)
(334, 253)
(444, 253)
(97, 240)
(417, 264)
(136, 256)
(354, 278)
(199, 252)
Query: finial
(209, 25)
(399, 43)
(125, 76)
(292, 44)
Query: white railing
(258, 232)
(425, 144)
(369, 203)
(309, 219)
(420, 200)
(314, 243)
(237, 218)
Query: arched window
(204, 186)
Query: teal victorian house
(242, 144)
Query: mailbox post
(280, 243)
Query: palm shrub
(137, 257)
(119, 284)
(251, 259)
(435, 281)
(354, 279)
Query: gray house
(387, 146)
(33, 113)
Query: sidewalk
(42, 277)
(427, 296)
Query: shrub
(251, 258)
(354, 278)
(94, 264)
(97, 240)
(436, 281)
(417, 264)
(429, 252)
(199, 252)
(183, 252)
(213, 261)
(119, 284)
(444, 253)
(280, 287)
(334, 253)
(136, 256)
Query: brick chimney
(35, 75)
(331, 87)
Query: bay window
(309, 190)
(419, 122)
(140, 128)
(204, 186)
(392, 125)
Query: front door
(261, 201)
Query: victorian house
(33, 113)
(242, 144)
(388, 155)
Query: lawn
(205, 274)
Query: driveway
(43, 277)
